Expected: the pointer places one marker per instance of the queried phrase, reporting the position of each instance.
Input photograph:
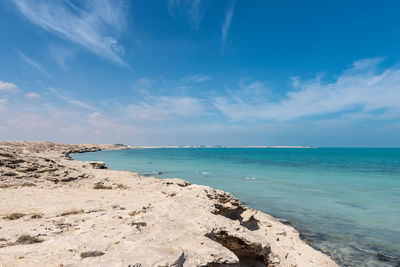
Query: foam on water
(344, 201)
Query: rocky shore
(59, 212)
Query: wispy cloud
(34, 64)
(93, 24)
(102, 122)
(161, 85)
(196, 78)
(227, 24)
(7, 86)
(60, 54)
(165, 107)
(72, 101)
(362, 89)
(192, 9)
(32, 95)
(76, 103)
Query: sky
(201, 72)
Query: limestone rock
(97, 164)
(137, 221)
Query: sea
(344, 202)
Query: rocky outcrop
(82, 214)
(97, 164)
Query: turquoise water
(344, 201)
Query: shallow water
(344, 201)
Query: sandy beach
(59, 212)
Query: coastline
(218, 146)
(130, 219)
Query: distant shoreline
(217, 146)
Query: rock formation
(59, 212)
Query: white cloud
(361, 89)
(92, 25)
(34, 64)
(165, 107)
(32, 95)
(227, 23)
(190, 8)
(254, 90)
(6, 86)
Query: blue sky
(201, 72)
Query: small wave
(250, 178)
(205, 173)
(369, 251)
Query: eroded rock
(164, 222)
